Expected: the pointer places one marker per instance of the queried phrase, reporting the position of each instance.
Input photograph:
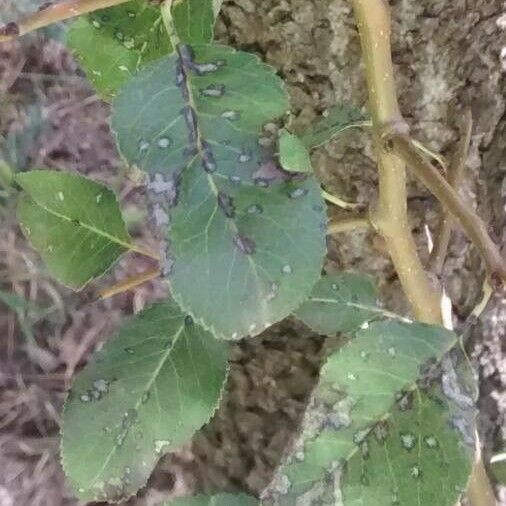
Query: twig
(129, 284)
(472, 224)
(455, 176)
(340, 202)
(50, 14)
(349, 223)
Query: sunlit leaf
(216, 500)
(147, 391)
(336, 121)
(370, 435)
(113, 43)
(249, 236)
(74, 223)
(293, 154)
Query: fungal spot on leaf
(298, 193)
(404, 401)
(160, 216)
(130, 351)
(204, 68)
(360, 436)
(235, 180)
(60, 196)
(129, 43)
(273, 292)
(255, 209)
(408, 441)
(161, 445)
(145, 397)
(287, 269)
(143, 146)
(245, 156)
(166, 188)
(190, 118)
(245, 244)
(96, 24)
(231, 115)
(209, 163)
(226, 204)
(98, 198)
(415, 472)
(380, 432)
(119, 35)
(164, 142)
(392, 352)
(351, 377)
(213, 90)
(431, 442)
(261, 182)
(188, 321)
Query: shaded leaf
(112, 44)
(363, 434)
(74, 223)
(338, 119)
(250, 236)
(148, 390)
(498, 468)
(217, 500)
(293, 153)
(339, 303)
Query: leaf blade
(230, 214)
(74, 223)
(355, 401)
(217, 500)
(118, 424)
(339, 119)
(293, 154)
(113, 44)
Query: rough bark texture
(447, 55)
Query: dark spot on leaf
(298, 193)
(190, 118)
(226, 203)
(213, 90)
(269, 172)
(188, 321)
(255, 209)
(245, 244)
(208, 161)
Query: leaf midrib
(91, 228)
(149, 384)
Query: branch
(472, 224)
(455, 176)
(50, 14)
(390, 217)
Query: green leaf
(250, 236)
(194, 20)
(74, 223)
(293, 153)
(114, 43)
(338, 119)
(148, 390)
(357, 444)
(217, 500)
(339, 303)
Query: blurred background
(448, 55)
